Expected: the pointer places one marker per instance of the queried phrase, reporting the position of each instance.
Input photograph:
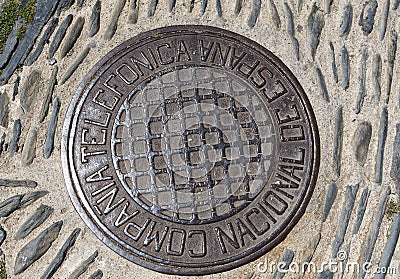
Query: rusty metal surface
(190, 150)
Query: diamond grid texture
(193, 145)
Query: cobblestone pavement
(344, 53)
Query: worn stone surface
(391, 54)
(395, 169)
(72, 68)
(112, 26)
(333, 63)
(383, 127)
(49, 94)
(64, 5)
(338, 141)
(31, 197)
(18, 183)
(329, 200)
(285, 259)
(361, 140)
(36, 248)
(347, 20)
(326, 274)
(322, 84)
(29, 152)
(362, 205)
(61, 255)
(10, 205)
(98, 274)
(30, 90)
(11, 43)
(255, 12)
(290, 30)
(41, 214)
(275, 20)
(15, 138)
(367, 16)
(3, 235)
(363, 74)
(376, 75)
(16, 87)
(94, 22)
(49, 145)
(134, 10)
(2, 141)
(315, 23)
(4, 109)
(83, 266)
(383, 20)
(72, 37)
(345, 68)
(59, 36)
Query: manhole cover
(190, 150)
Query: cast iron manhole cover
(190, 150)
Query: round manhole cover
(190, 150)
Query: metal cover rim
(140, 257)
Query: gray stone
(16, 86)
(338, 141)
(2, 141)
(395, 169)
(299, 5)
(390, 246)
(94, 22)
(29, 151)
(61, 255)
(286, 258)
(367, 16)
(203, 6)
(363, 74)
(98, 274)
(376, 76)
(44, 40)
(11, 43)
(327, 6)
(373, 232)
(322, 84)
(381, 145)
(15, 139)
(41, 214)
(383, 22)
(152, 8)
(30, 198)
(362, 205)
(219, 7)
(190, 5)
(4, 109)
(396, 4)
(79, 3)
(172, 4)
(49, 94)
(64, 5)
(345, 68)
(362, 138)
(333, 63)
(308, 253)
(30, 90)
(59, 36)
(18, 183)
(274, 15)
(36, 248)
(3, 235)
(255, 12)
(392, 48)
(73, 36)
(134, 10)
(347, 20)
(44, 10)
(238, 6)
(326, 274)
(329, 200)
(347, 208)
(290, 30)
(315, 24)
(49, 145)
(112, 26)
(75, 65)
(10, 205)
(83, 266)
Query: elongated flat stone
(383, 21)
(326, 274)
(152, 8)
(44, 40)
(16, 87)
(172, 4)
(362, 205)
(238, 6)
(64, 5)
(34, 221)
(333, 63)
(134, 10)
(285, 260)
(10, 205)
(30, 90)
(396, 4)
(112, 26)
(363, 76)
(347, 208)
(2, 141)
(290, 30)
(61, 255)
(83, 266)
(255, 12)
(73, 36)
(79, 3)
(345, 68)
(308, 254)
(367, 16)
(49, 145)
(376, 76)
(204, 4)
(395, 169)
(330, 199)
(338, 141)
(219, 7)
(392, 49)
(373, 232)
(347, 20)
(49, 94)
(381, 145)
(362, 138)
(71, 69)
(29, 151)
(315, 24)
(322, 84)
(94, 22)
(274, 15)
(18, 183)
(98, 274)
(11, 43)
(4, 109)
(15, 139)
(36, 248)
(327, 6)
(3, 235)
(60, 35)
(30, 198)
(44, 10)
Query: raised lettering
(124, 217)
(180, 241)
(155, 237)
(257, 212)
(127, 73)
(140, 229)
(202, 239)
(164, 61)
(232, 240)
(98, 175)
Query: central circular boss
(190, 150)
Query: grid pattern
(193, 145)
